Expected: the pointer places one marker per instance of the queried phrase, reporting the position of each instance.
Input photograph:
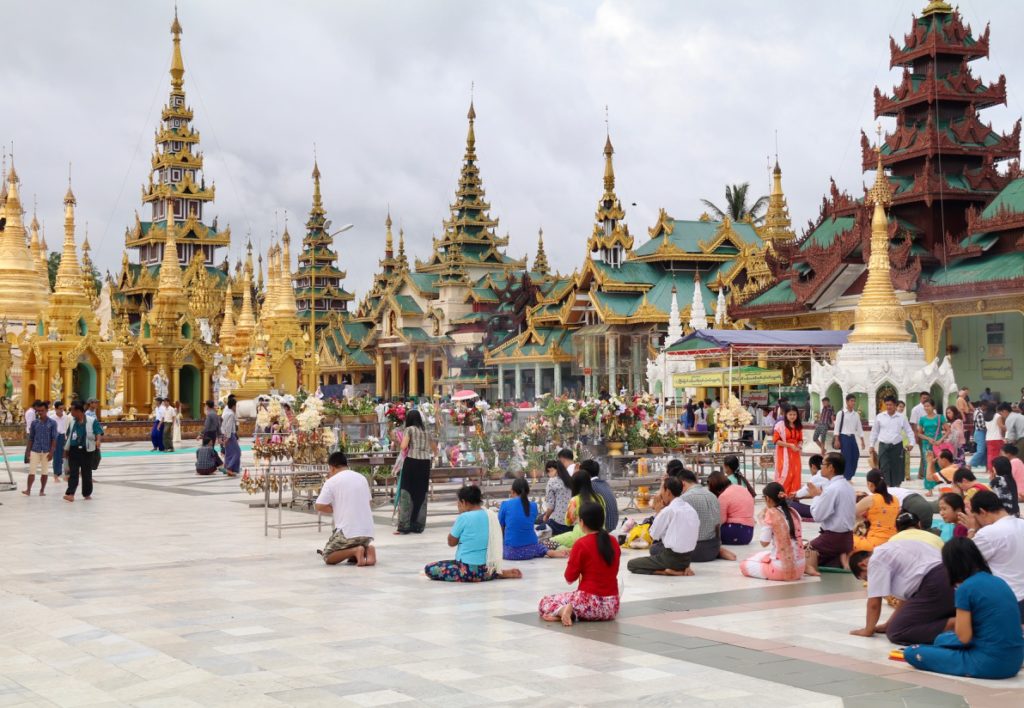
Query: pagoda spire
(246, 318)
(317, 278)
(610, 237)
(698, 317)
(69, 273)
(403, 261)
(259, 272)
(286, 304)
(22, 297)
(226, 339)
(38, 255)
(879, 316)
(177, 65)
(88, 268)
(778, 227)
(540, 262)
(721, 312)
(675, 320)
(388, 242)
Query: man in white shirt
(911, 571)
(917, 412)
(167, 416)
(1014, 428)
(817, 479)
(1000, 538)
(676, 526)
(61, 418)
(346, 496)
(836, 512)
(894, 436)
(848, 432)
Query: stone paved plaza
(163, 591)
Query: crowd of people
(952, 568)
(53, 437)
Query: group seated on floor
(956, 580)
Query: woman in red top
(789, 441)
(594, 561)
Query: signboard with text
(997, 369)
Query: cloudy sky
(696, 92)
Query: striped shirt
(419, 443)
(43, 434)
(708, 510)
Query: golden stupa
(22, 297)
(879, 316)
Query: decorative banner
(997, 369)
(741, 376)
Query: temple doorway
(190, 392)
(83, 384)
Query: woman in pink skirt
(785, 559)
(594, 561)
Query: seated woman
(207, 460)
(594, 561)
(986, 640)
(880, 508)
(476, 535)
(783, 530)
(557, 494)
(736, 505)
(516, 516)
(950, 505)
(582, 493)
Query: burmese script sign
(997, 369)
(737, 376)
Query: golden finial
(388, 242)
(609, 169)
(177, 65)
(880, 192)
(69, 197)
(936, 7)
(471, 134)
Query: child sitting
(476, 536)
(516, 516)
(594, 561)
(207, 460)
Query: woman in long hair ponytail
(785, 559)
(592, 518)
(880, 509)
(522, 489)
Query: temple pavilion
(956, 221)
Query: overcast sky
(696, 92)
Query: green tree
(53, 263)
(736, 206)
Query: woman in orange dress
(880, 508)
(788, 437)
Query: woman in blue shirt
(470, 536)
(516, 516)
(986, 642)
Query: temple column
(414, 384)
(558, 379)
(501, 382)
(612, 343)
(101, 385)
(519, 383)
(175, 393)
(379, 373)
(68, 380)
(428, 373)
(206, 390)
(396, 379)
(536, 379)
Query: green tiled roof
(408, 305)
(426, 282)
(687, 235)
(1011, 198)
(779, 294)
(828, 231)
(629, 272)
(992, 267)
(485, 294)
(471, 318)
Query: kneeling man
(346, 496)
(677, 527)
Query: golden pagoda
(22, 296)
(176, 194)
(286, 348)
(540, 261)
(226, 343)
(879, 316)
(246, 323)
(37, 251)
(778, 227)
(67, 359)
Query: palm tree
(736, 207)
